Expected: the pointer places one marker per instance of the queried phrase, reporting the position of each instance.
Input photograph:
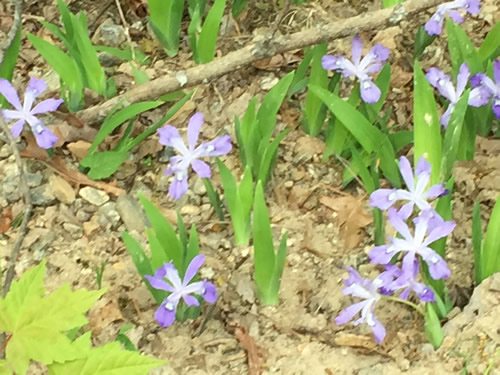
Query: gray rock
(41, 244)
(94, 196)
(131, 213)
(108, 60)
(111, 35)
(75, 230)
(108, 214)
(5, 151)
(33, 179)
(42, 196)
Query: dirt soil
(329, 226)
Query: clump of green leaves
(165, 21)
(255, 130)
(78, 66)
(165, 245)
(36, 326)
(239, 201)
(487, 252)
(102, 164)
(268, 264)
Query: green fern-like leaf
(35, 324)
(109, 359)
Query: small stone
(108, 60)
(108, 214)
(288, 184)
(94, 196)
(267, 83)
(199, 187)
(111, 35)
(131, 213)
(91, 226)
(42, 196)
(5, 151)
(79, 148)
(33, 179)
(61, 189)
(190, 210)
(74, 230)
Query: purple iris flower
(179, 164)
(25, 113)
(360, 68)
(416, 244)
(423, 292)
(167, 278)
(484, 88)
(368, 290)
(417, 192)
(442, 82)
(434, 25)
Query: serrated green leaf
(109, 359)
(4, 367)
(21, 294)
(42, 344)
(62, 310)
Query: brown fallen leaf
(248, 343)
(103, 314)
(55, 162)
(352, 217)
(6, 219)
(356, 341)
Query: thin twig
(23, 186)
(257, 51)
(126, 27)
(279, 18)
(16, 23)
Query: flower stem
(406, 302)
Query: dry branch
(23, 186)
(259, 50)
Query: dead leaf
(102, 316)
(6, 219)
(351, 215)
(356, 341)
(56, 163)
(248, 343)
(79, 149)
